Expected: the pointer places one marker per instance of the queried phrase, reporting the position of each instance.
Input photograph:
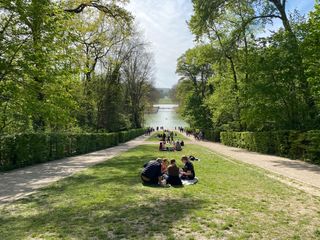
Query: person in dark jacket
(188, 172)
(153, 171)
(173, 174)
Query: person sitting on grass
(162, 146)
(173, 174)
(178, 146)
(182, 143)
(188, 172)
(153, 171)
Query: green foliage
(31, 148)
(255, 83)
(49, 52)
(212, 135)
(165, 100)
(293, 144)
(194, 67)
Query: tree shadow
(106, 202)
(115, 219)
(295, 164)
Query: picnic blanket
(190, 182)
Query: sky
(163, 24)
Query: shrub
(212, 135)
(293, 144)
(31, 148)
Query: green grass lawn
(165, 100)
(154, 137)
(107, 201)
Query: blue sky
(163, 23)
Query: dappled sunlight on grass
(108, 201)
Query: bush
(27, 149)
(292, 144)
(212, 135)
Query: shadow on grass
(128, 215)
(106, 202)
(121, 170)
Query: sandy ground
(22, 182)
(296, 173)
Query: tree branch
(111, 10)
(265, 16)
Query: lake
(166, 117)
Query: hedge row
(26, 149)
(212, 135)
(292, 144)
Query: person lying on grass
(153, 171)
(173, 174)
(187, 172)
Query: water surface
(165, 117)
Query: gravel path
(22, 182)
(296, 173)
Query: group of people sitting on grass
(160, 172)
(175, 146)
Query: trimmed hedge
(212, 135)
(27, 149)
(292, 144)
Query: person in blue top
(153, 171)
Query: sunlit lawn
(231, 201)
(165, 100)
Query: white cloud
(164, 25)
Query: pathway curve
(296, 173)
(22, 182)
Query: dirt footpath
(296, 173)
(22, 182)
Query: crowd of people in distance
(160, 172)
(198, 135)
(167, 142)
(148, 131)
(181, 129)
(167, 136)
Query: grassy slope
(231, 201)
(165, 101)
